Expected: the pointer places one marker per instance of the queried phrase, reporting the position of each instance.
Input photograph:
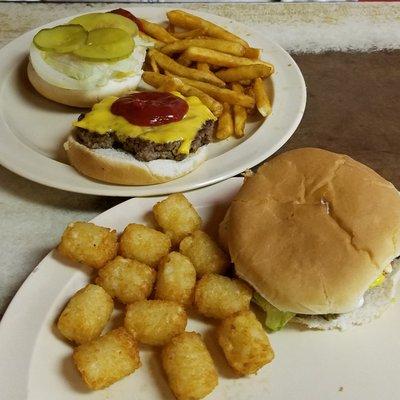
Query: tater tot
(89, 244)
(86, 314)
(189, 367)
(144, 244)
(176, 278)
(204, 254)
(155, 322)
(107, 359)
(218, 296)
(245, 343)
(176, 217)
(127, 280)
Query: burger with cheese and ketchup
(93, 56)
(142, 138)
(317, 235)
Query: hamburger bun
(80, 97)
(120, 167)
(311, 230)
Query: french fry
(214, 57)
(152, 62)
(183, 61)
(224, 46)
(157, 43)
(170, 85)
(154, 79)
(162, 81)
(169, 64)
(189, 21)
(225, 123)
(203, 66)
(157, 31)
(239, 114)
(250, 52)
(171, 29)
(189, 34)
(262, 101)
(223, 95)
(245, 72)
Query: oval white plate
(32, 129)
(35, 363)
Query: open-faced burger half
(93, 56)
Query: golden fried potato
(89, 244)
(127, 280)
(204, 253)
(225, 46)
(220, 59)
(107, 359)
(144, 244)
(245, 343)
(168, 64)
(176, 217)
(225, 127)
(155, 322)
(189, 21)
(223, 95)
(263, 102)
(218, 296)
(86, 314)
(244, 72)
(189, 367)
(176, 279)
(157, 31)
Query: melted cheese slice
(102, 121)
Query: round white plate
(33, 129)
(35, 363)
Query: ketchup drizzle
(150, 108)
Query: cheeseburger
(317, 235)
(142, 138)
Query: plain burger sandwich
(142, 138)
(317, 235)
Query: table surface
(352, 108)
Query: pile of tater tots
(160, 275)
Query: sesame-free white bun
(121, 167)
(311, 230)
(81, 97)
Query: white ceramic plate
(35, 363)
(32, 129)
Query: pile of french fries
(196, 57)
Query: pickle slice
(61, 38)
(106, 20)
(106, 44)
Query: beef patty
(144, 150)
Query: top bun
(311, 230)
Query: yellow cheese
(378, 281)
(102, 121)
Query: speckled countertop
(32, 216)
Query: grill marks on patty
(144, 150)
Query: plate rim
(102, 188)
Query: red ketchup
(150, 108)
(127, 14)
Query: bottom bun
(376, 301)
(121, 167)
(81, 98)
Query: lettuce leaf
(275, 319)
